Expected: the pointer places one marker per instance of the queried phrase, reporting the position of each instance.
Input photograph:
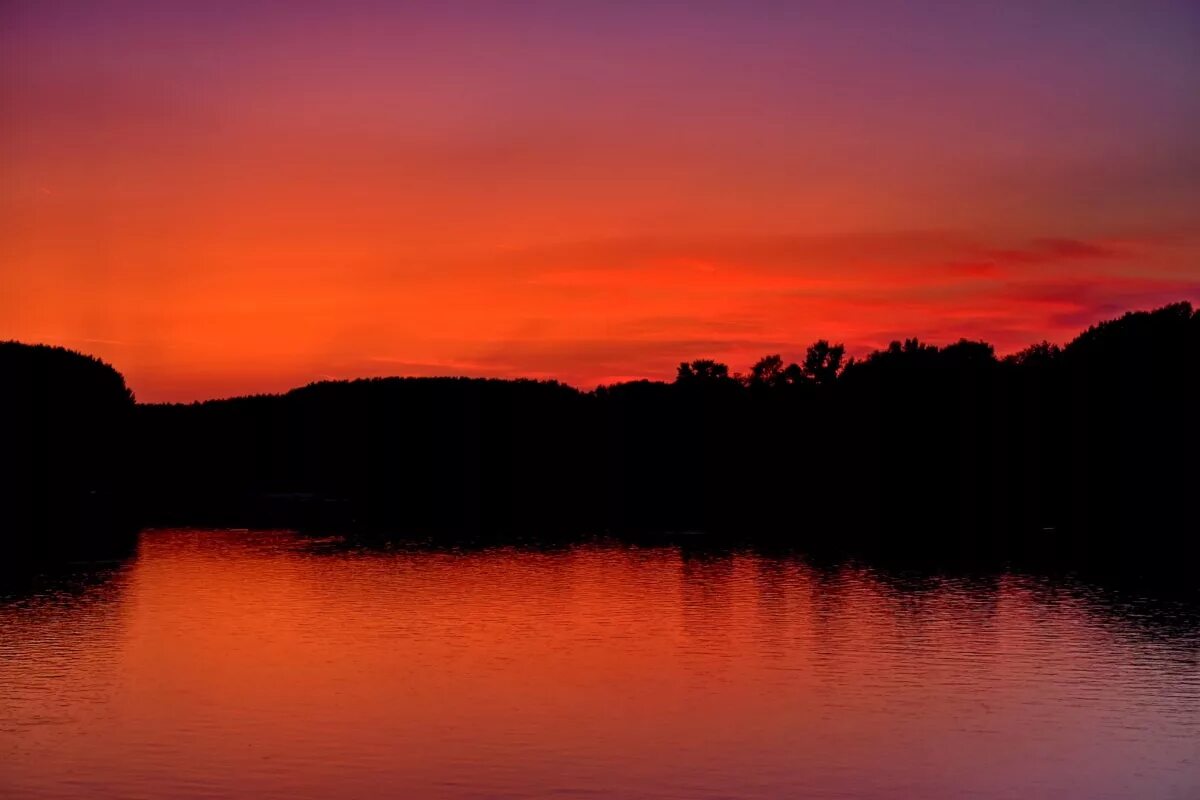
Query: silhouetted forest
(68, 443)
(1090, 448)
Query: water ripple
(270, 665)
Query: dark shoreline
(1088, 453)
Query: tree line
(1089, 447)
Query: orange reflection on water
(240, 664)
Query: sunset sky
(232, 197)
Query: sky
(226, 198)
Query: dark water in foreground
(266, 665)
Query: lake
(239, 664)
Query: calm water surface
(267, 665)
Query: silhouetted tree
(1036, 356)
(770, 372)
(65, 424)
(767, 371)
(702, 370)
(823, 361)
(966, 354)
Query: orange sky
(232, 198)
